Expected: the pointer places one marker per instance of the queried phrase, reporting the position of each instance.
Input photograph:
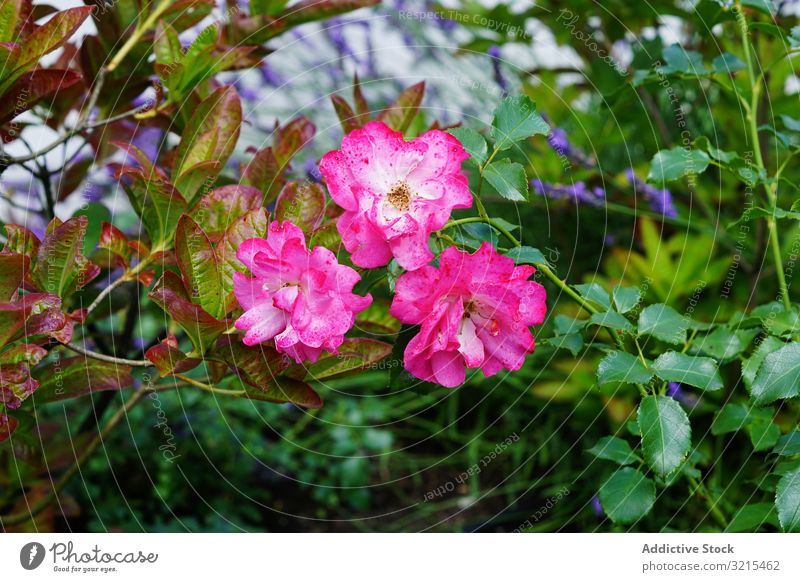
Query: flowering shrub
(630, 283)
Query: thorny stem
(752, 119)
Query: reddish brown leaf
(170, 295)
(259, 367)
(8, 424)
(264, 172)
(302, 203)
(218, 209)
(114, 242)
(291, 137)
(169, 359)
(20, 240)
(347, 117)
(32, 87)
(401, 113)
(12, 272)
(74, 377)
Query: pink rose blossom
(475, 311)
(300, 298)
(394, 192)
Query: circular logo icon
(31, 555)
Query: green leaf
(12, 272)
(626, 298)
(611, 319)
(669, 165)
(731, 418)
(727, 63)
(508, 178)
(666, 433)
(614, 449)
(627, 496)
(761, 429)
(570, 341)
(42, 40)
(401, 113)
(723, 344)
(594, 292)
(680, 60)
(472, 141)
(200, 266)
(622, 367)
(251, 225)
(751, 517)
(515, 119)
(527, 256)
(664, 323)
(692, 370)
(779, 375)
(787, 501)
(210, 136)
(158, 204)
(765, 6)
(788, 444)
(61, 268)
(751, 365)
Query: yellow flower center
(400, 196)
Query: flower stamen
(400, 195)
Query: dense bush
(216, 316)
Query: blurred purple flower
(312, 170)
(271, 78)
(660, 200)
(147, 139)
(578, 191)
(675, 391)
(499, 77)
(597, 507)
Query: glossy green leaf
(669, 165)
(623, 367)
(200, 266)
(515, 119)
(612, 320)
(627, 496)
(473, 142)
(614, 449)
(664, 323)
(508, 178)
(626, 298)
(666, 433)
(695, 371)
(779, 375)
(787, 501)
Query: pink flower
(300, 298)
(394, 192)
(475, 311)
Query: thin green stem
(713, 506)
(141, 29)
(209, 387)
